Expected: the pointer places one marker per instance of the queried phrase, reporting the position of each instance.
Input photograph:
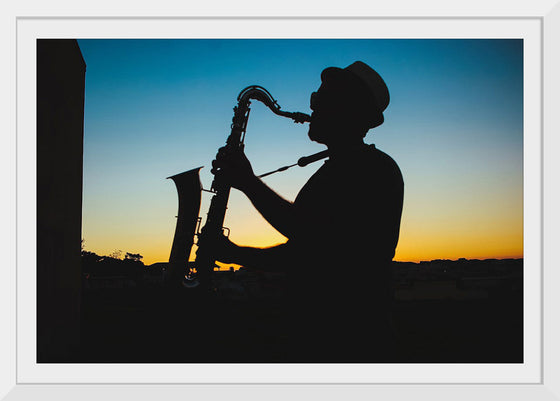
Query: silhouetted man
(342, 228)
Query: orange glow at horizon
(437, 233)
(410, 249)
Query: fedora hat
(368, 79)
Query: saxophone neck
(297, 116)
(262, 95)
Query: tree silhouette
(116, 254)
(136, 257)
(131, 266)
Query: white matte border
(548, 390)
(31, 372)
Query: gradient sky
(155, 108)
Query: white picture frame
(56, 383)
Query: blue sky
(155, 108)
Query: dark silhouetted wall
(60, 120)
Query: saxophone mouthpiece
(301, 117)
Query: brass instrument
(189, 189)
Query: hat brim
(334, 74)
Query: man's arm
(276, 210)
(235, 168)
(272, 259)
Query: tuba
(198, 273)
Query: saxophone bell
(189, 191)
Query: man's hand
(224, 250)
(234, 168)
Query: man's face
(328, 116)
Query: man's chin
(316, 139)
(315, 135)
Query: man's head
(349, 102)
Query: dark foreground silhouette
(444, 312)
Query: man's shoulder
(381, 159)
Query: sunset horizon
(454, 125)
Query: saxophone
(188, 186)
